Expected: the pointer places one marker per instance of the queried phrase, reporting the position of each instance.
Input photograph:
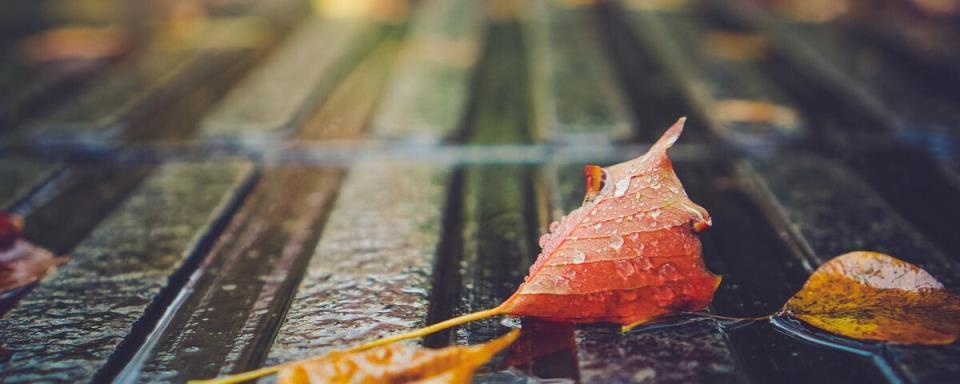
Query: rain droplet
(616, 242)
(579, 257)
(644, 263)
(598, 226)
(575, 283)
(563, 282)
(663, 295)
(655, 213)
(669, 271)
(547, 282)
(621, 187)
(544, 239)
(625, 269)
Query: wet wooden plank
(120, 100)
(499, 243)
(233, 304)
(53, 217)
(121, 97)
(652, 93)
(825, 222)
(574, 95)
(28, 90)
(920, 37)
(427, 100)
(74, 326)
(497, 211)
(20, 178)
(822, 69)
(276, 97)
(720, 73)
(371, 273)
(691, 352)
(921, 155)
(346, 113)
(856, 73)
(500, 214)
(114, 99)
(502, 88)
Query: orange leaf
(629, 254)
(21, 263)
(396, 363)
(873, 296)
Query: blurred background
(88, 74)
(248, 182)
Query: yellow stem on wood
(246, 376)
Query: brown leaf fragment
(873, 296)
(22, 263)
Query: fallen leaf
(873, 296)
(396, 363)
(22, 263)
(629, 254)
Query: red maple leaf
(630, 253)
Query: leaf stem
(692, 316)
(245, 376)
(480, 315)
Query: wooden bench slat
(20, 177)
(856, 73)
(70, 326)
(346, 112)
(897, 157)
(499, 219)
(427, 99)
(237, 298)
(370, 275)
(29, 89)
(119, 100)
(102, 110)
(501, 90)
(276, 97)
(719, 72)
(572, 82)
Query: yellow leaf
(873, 296)
(396, 363)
